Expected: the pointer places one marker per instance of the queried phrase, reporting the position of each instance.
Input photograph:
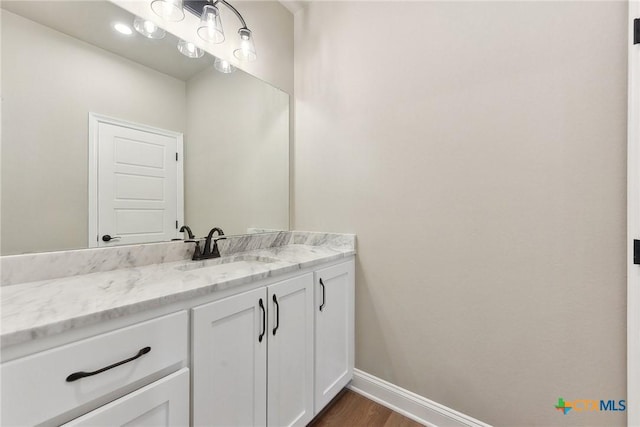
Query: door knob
(107, 238)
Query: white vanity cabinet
(334, 331)
(271, 356)
(253, 356)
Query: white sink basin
(227, 263)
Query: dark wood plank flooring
(351, 409)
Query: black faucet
(188, 230)
(208, 252)
(213, 252)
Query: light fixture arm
(234, 10)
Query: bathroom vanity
(261, 336)
(105, 320)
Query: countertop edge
(18, 337)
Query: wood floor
(351, 409)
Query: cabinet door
(162, 403)
(229, 344)
(290, 361)
(334, 318)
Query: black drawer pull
(77, 375)
(275, 301)
(264, 321)
(323, 295)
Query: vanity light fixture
(122, 28)
(223, 66)
(210, 27)
(247, 50)
(170, 10)
(148, 28)
(189, 49)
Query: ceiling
(294, 6)
(92, 22)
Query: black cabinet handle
(77, 375)
(275, 300)
(107, 238)
(323, 295)
(264, 320)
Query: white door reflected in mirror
(138, 183)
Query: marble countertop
(48, 307)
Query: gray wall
(236, 154)
(478, 151)
(50, 82)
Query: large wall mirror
(108, 132)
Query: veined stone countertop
(48, 307)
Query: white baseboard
(411, 405)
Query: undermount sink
(230, 261)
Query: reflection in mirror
(95, 114)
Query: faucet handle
(196, 251)
(215, 251)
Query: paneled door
(137, 193)
(229, 361)
(334, 316)
(290, 354)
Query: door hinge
(176, 224)
(636, 251)
(636, 31)
(176, 157)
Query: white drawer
(164, 403)
(35, 388)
